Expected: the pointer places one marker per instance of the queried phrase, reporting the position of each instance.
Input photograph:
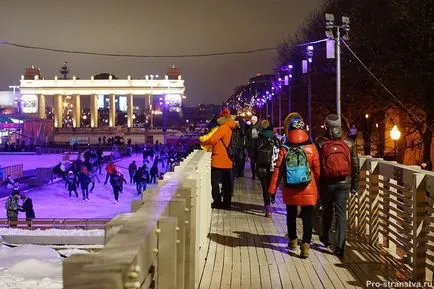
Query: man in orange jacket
(221, 164)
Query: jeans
(291, 222)
(116, 192)
(335, 196)
(85, 192)
(225, 177)
(265, 177)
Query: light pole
(395, 134)
(287, 82)
(330, 27)
(309, 54)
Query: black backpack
(265, 151)
(236, 144)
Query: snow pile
(72, 251)
(30, 267)
(50, 232)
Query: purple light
(290, 76)
(279, 79)
(310, 48)
(267, 92)
(290, 66)
(272, 88)
(161, 98)
(310, 60)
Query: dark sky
(151, 27)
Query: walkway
(248, 250)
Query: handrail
(161, 243)
(63, 223)
(16, 171)
(394, 210)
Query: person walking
(252, 134)
(298, 164)
(339, 177)
(132, 169)
(115, 182)
(71, 183)
(12, 207)
(109, 170)
(84, 181)
(221, 163)
(27, 207)
(265, 151)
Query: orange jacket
(220, 141)
(307, 196)
(110, 167)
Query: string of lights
(252, 51)
(384, 86)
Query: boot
(304, 250)
(292, 244)
(268, 211)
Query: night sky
(155, 27)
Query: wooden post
(419, 237)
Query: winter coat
(84, 180)
(204, 138)
(71, 181)
(306, 196)
(115, 181)
(11, 207)
(220, 140)
(266, 135)
(28, 208)
(109, 168)
(132, 168)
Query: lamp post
(330, 27)
(395, 134)
(309, 54)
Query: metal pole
(272, 111)
(338, 73)
(289, 96)
(280, 110)
(309, 98)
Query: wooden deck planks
(250, 251)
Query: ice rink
(52, 200)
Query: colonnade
(58, 108)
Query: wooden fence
(394, 211)
(161, 244)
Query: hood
(225, 119)
(267, 133)
(297, 136)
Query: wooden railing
(161, 244)
(394, 212)
(86, 224)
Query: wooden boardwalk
(247, 250)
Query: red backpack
(336, 159)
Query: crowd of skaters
(314, 173)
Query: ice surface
(30, 267)
(52, 200)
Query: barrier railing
(161, 244)
(16, 171)
(86, 224)
(394, 211)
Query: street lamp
(309, 54)
(330, 26)
(395, 134)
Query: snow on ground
(72, 251)
(30, 267)
(52, 200)
(50, 232)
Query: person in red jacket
(221, 164)
(293, 196)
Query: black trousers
(291, 222)
(116, 192)
(265, 176)
(223, 176)
(335, 197)
(85, 192)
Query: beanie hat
(265, 124)
(332, 121)
(225, 112)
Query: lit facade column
(93, 110)
(58, 110)
(112, 111)
(76, 111)
(41, 104)
(130, 111)
(148, 104)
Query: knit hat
(332, 121)
(225, 112)
(265, 124)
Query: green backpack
(298, 173)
